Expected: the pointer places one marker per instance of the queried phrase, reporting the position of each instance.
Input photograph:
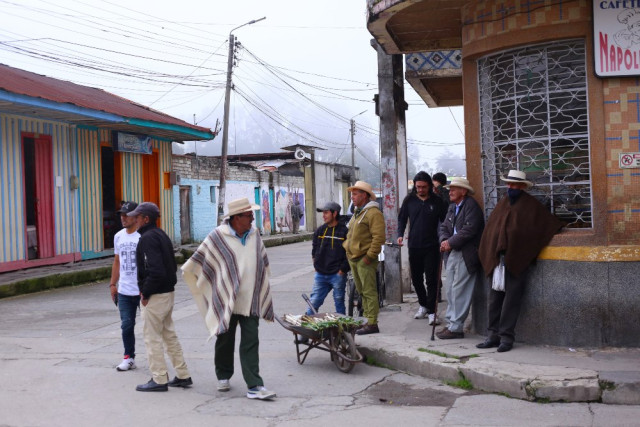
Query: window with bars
(534, 118)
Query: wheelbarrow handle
(308, 301)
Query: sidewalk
(538, 373)
(39, 279)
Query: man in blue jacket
(157, 278)
(329, 259)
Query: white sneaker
(224, 385)
(126, 364)
(260, 393)
(432, 319)
(421, 313)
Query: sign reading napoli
(616, 37)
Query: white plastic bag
(497, 283)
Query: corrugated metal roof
(27, 84)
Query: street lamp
(353, 146)
(225, 126)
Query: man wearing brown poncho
(518, 228)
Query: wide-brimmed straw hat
(239, 206)
(462, 183)
(517, 177)
(363, 186)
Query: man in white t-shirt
(124, 273)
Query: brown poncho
(520, 231)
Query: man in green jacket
(363, 245)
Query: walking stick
(435, 312)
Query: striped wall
(12, 216)
(166, 195)
(90, 190)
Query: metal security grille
(533, 112)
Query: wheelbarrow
(338, 340)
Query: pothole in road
(390, 392)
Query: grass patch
(462, 383)
(606, 385)
(373, 362)
(436, 353)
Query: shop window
(534, 117)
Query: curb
(516, 380)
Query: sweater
(327, 251)
(424, 217)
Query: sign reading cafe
(616, 37)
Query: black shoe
(152, 386)
(488, 343)
(180, 382)
(368, 329)
(505, 346)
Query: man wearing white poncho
(229, 278)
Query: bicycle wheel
(345, 345)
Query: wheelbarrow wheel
(345, 345)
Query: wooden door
(151, 178)
(185, 214)
(44, 198)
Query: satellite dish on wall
(300, 154)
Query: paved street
(59, 350)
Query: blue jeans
(323, 284)
(128, 305)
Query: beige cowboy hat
(363, 186)
(239, 206)
(517, 177)
(462, 183)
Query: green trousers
(249, 343)
(366, 284)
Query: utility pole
(225, 125)
(353, 147)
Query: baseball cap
(330, 206)
(147, 209)
(127, 207)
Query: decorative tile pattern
(434, 60)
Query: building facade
(69, 155)
(527, 75)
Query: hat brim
(252, 207)
(370, 193)
(529, 184)
(467, 187)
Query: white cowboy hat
(517, 177)
(363, 186)
(239, 206)
(462, 183)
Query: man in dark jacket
(329, 259)
(156, 279)
(460, 235)
(424, 211)
(517, 230)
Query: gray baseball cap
(330, 206)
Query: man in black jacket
(329, 259)
(460, 235)
(424, 211)
(156, 279)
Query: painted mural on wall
(266, 213)
(285, 199)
